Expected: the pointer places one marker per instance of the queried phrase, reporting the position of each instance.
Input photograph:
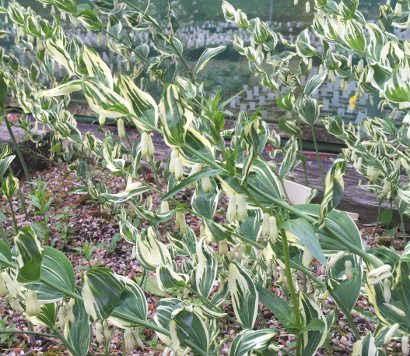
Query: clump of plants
(263, 240)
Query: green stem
(301, 152)
(65, 342)
(154, 171)
(358, 251)
(17, 148)
(292, 289)
(209, 303)
(13, 216)
(317, 155)
(27, 332)
(348, 315)
(321, 284)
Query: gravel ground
(94, 225)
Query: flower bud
(242, 211)
(145, 144)
(195, 169)
(265, 225)
(390, 333)
(137, 338)
(164, 207)
(358, 164)
(349, 61)
(273, 229)
(360, 66)
(10, 284)
(32, 304)
(129, 341)
(295, 2)
(321, 70)
(101, 120)
(223, 247)
(151, 147)
(398, 10)
(179, 169)
(98, 333)
(15, 305)
(307, 257)
(3, 289)
(310, 64)
(349, 272)
(387, 290)
(182, 224)
(379, 271)
(134, 252)
(405, 345)
(107, 332)
(334, 259)
(231, 211)
(206, 184)
(121, 129)
(307, 7)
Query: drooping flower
(231, 211)
(390, 333)
(349, 272)
(242, 211)
(32, 304)
(129, 341)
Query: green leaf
(168, 278)
(186, 324)
(132, 304)
(29, 255)
(308, 109)
(303, 46)
(334, 187)
(80, 334)
(5, 256)
(252, 340)
(286, 102)
(90, 20)
(354, 36)
(206, 269)
(306, 237)
(69, 6)
(347, 292)
(386, 216)
(244, 295)
(56, 269)
(314, 83)
(47, 316)
(315, 336)
(101, 292)
(124, 196)
(3, 91)
(251, 227)
(207, 172)
(280, 308)
(206, 56)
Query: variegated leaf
(10, 186)
(132, 304)
(55, 47)
(151, 253)
(167, 278)
(97, 68)
(252, 340)
(144, 109)
(244, 295)
(62, 89)
(29, 255)
(103, 100)
(101, 290)
(206, 269)
(208, 54)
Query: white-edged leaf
(244, 295)
(206, 56)
(206, 270)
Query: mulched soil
(94, 225)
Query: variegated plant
(263, 239)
